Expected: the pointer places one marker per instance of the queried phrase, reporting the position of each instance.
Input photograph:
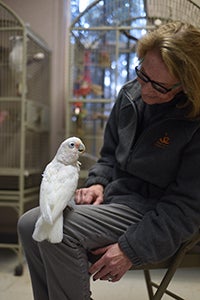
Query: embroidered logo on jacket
(163, 142)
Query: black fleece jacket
(150, 161)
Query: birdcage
(102, 57)
(24, 122)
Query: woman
(143, 194)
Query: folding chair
(188, 256)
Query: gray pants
(60, 271)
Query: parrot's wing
(47, 193)
(65, 187)
(56, 190)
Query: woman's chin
(150, 100)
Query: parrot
(57, 188)
(16, 55)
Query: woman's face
(155, 69)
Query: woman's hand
(112, 265)
(90, 195)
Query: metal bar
(167, 292)
(99, 100)
(16, 172)
(115, 28)
(148, 283)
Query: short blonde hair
(179, 46)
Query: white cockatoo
(59, 182)
(16, 55)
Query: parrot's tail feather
(52, 233)
(56, 233)
(37, 237)
(41, 231)
(47, 215)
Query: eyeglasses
(157, 86)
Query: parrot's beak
(81, 148)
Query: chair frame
(185, 257)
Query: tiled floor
(186, 283)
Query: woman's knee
(26, 223)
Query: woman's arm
(176, 217)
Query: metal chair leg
(148, 283)
(171, 269)
(161, 288)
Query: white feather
(16, 55)
(59, 182)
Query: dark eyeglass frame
(157, 86)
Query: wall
(197, 2)
(48, 18)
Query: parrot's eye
(71, 145)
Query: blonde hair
(179, 46)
